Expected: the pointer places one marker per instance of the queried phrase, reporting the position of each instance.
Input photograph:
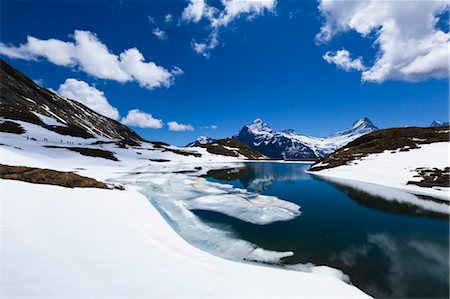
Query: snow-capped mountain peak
(201, 140)
(363, 122)
(359, 127)
(258, 126)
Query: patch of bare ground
(49, 177)
(90, 152)
(394, 139)
(159, 160)
(11, 127)
(232, 148)
(432, 177)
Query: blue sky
(267, 64)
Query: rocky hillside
(394, 140)
(23, 100)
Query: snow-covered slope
(397, 169)
(412, 158)
(60, 242)
(288, 144)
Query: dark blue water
(389, 250)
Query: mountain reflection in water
(389, 247)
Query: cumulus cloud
(141, 119)
(343, 61)
(233, 9)
(90, 55)
(198, 9)
(89, 96)
(219, 18)
(160, 34)
(174, 126)
(410, 45)
(213, 127)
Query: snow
(49, 120)
(60, 242)
(396, 169)
(28, 99)
(201, 140)
(111, 243)
(258, 127)
(49, 111)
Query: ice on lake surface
(389, 242)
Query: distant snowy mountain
(201, 140)
(437, 123)
(288, 144)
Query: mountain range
(39, 113)
(288, 144)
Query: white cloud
(232, 9)
(141, 119)
(213, 127)
(151, 20)
(410, 45)
(168, 18)
(174, 126)
(90, 55)
(89, 96)
(343, 61)
(196, 10)
(205, 47)
(148, 74)
(160, 34)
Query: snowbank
(396, 169)
(106, 243)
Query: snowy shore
(395, 169)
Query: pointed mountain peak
(258, 121)
(365, 121)
(359, 127)
(259, 126)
